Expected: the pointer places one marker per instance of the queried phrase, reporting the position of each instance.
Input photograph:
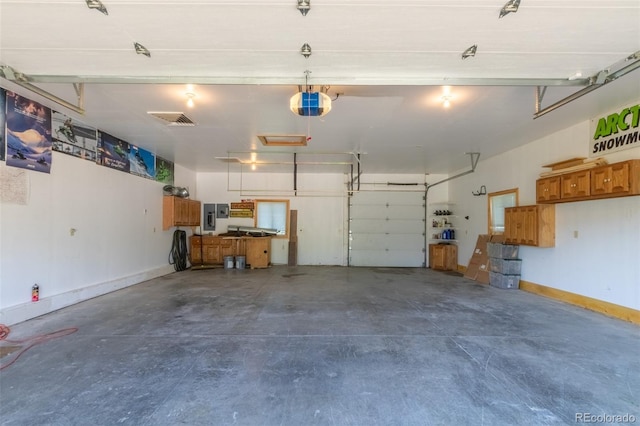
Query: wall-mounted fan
(176, 191)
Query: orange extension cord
(31, 341)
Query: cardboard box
(478, 268)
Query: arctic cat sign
(615, 132)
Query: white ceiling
(385, 62)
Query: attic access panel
(283, 140)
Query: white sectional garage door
(387, 229)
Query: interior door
(387, 229)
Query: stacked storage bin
(504, 265)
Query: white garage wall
(115, 243)
(603, 262)
(321, 206)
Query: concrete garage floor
(322, 346)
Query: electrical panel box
(222, 211)
(208, 217)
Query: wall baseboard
(25, 311)
(462, 268)
(600, 306)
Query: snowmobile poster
(28, 134)
(73, 137)
(164, 171)
(142, 162)
(113, 152)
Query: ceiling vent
(173, 118)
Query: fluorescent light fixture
(141, 50)
(470, 52)
(97, 4)
(510, 7)
(304, 6)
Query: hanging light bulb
(190, 94)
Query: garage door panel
(387, 226)
(399, 258)
(387, 242)
(396, 212)
(386, 229)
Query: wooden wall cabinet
(178, 211)
(548, 189)
(617, 179)
(443, 257)
(530, 225)
(575, 185)
(612, 180)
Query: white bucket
(240, 262)
(228, 262)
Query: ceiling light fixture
(141, 50)
(305, 50)
(510, 7)
(190, 94)
(190, 97)
(470, 52)
(304, 6)
(97, 4)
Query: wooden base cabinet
(443, 257)
(178, 211)
(258, 252)
(209, 249)
(530, 225)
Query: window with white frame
(273, 214)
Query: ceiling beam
(346, 81)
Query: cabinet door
(530, 226)
(181, 211)
(620, 178)
(510, 225)
(548, 189)
(451, 257)
(576, 185)
(194, 212)
(195, 249)
(258, 252)
(437, 257)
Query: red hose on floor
(31, 341)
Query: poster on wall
(2, 122)
(164, 171)
(112, 152)
(142, 162)
(73, 137)
(616, 131)
(28, 134)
